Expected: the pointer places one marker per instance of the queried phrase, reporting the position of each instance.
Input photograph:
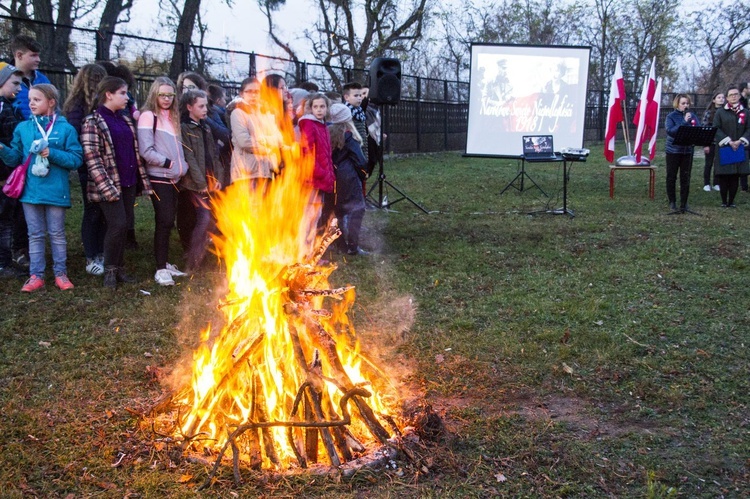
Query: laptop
(538, 148)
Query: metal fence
(431, 116)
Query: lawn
(604, 355)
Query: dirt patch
(580, 416)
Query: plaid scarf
(357, 113)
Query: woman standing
(80, 102)
(732, 134)
(256, 138)
(159, 143)
(679, 158)
(717, 101)
(115, 171)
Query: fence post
(251, 69)
(419, 113)
(445, 115)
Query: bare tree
(350, 34)
(724, 31)
(54, 29)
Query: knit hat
(6, 71)
(297, 95)
(340, 113)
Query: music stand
(693, 136)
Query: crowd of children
(185, 142)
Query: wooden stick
(328, 347)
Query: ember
(283, 383)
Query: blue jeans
(44, 219)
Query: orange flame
(249, 370)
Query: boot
(110, 277)
(123, 277)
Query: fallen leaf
(567, 368)
(439, 359)
(565, 337)
(185, 478)
(501, 478)
(45, 344)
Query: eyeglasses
(733, 94)
(166, 96)
(189, 87)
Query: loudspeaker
(385, 81)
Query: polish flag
(654, 121)
(614, 111)
(647, 114)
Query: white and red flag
(647, 114)
(614, 111)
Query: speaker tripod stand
(382, 201)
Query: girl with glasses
(160, 145)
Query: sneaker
(707, 188)
(62, 282)
(174, 271)
(32, 284)
(123, 277)
(94, 266)
(717, 188)
(22, 260)
(163, 277)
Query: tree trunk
(183, 36)
(107, 23)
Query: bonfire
(282, 383)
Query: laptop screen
(538, 145)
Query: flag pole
(625, 132)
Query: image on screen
(520, 90)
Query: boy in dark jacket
(10, 84)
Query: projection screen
(518, 90)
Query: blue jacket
(65, 154)
(672, 123)
(22, 98)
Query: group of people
(727, 155)
(185, 142)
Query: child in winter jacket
(51, 146)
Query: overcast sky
(241, 27)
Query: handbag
(16, 181)
(728, 156)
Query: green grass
(603, 355)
